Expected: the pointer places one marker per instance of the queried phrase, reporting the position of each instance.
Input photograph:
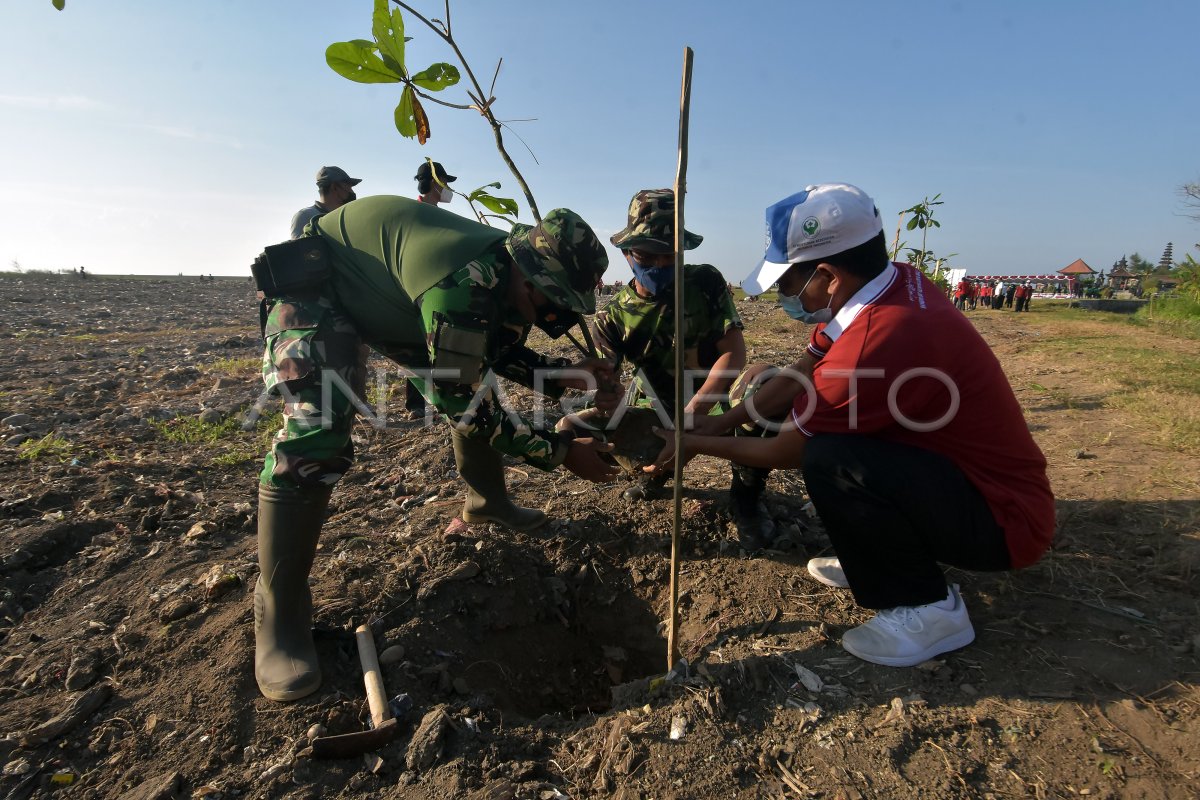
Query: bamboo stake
(685, 102)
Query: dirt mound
(533, 664)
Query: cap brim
(354, 181)
(450, 178)
(763, 277)
(657, 246)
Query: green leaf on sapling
(387, 26)
(406, 121)
(436, 77)
(358, 61)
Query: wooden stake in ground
(685, 103)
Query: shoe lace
(905, 617)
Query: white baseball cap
(823, 220)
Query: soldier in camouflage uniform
(452, 300)
(638, 326)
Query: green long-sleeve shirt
(428, 289)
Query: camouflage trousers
(316, 361)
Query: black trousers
(893, 512)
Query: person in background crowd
(335, 188)
(433, 183)
(960, 294)
(1023, 293)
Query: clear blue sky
(163, 137)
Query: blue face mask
(793, 306)
(655, 280)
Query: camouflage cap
(651, 225)
(562, 257)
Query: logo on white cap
(811, 226)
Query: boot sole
(477, 519)
(288, 695)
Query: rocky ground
(533, 663)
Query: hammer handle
(372, 677)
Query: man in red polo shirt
(883, 406)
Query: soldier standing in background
(335, 187)
(433, 183)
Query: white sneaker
(829, 572)
(909, 635)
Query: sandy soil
(128, 562)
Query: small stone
(426, 745)
(177, 609)
(81, 672)
(464, 571)
(199, 530)
(315, 731)
(18, 766)
(162, 787)
(16, 420)
(14, 441)
(211, 416)
(678, 727)
(461, 686)
(968, 689)
(392, 655)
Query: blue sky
(164, 137)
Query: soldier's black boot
(482, 468)
(414, 401)
(755, 528)
(285, 658)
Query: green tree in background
(1139, 265)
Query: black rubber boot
(414, 401)
(482, 468)
(755, 528)
(285, 659)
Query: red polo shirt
(900, 362)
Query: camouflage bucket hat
(651, 225)
(562, 257)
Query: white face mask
(445, 193)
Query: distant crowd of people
(969, 294)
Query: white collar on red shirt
(866, 295)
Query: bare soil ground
(127, 538)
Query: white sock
(947, 604)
